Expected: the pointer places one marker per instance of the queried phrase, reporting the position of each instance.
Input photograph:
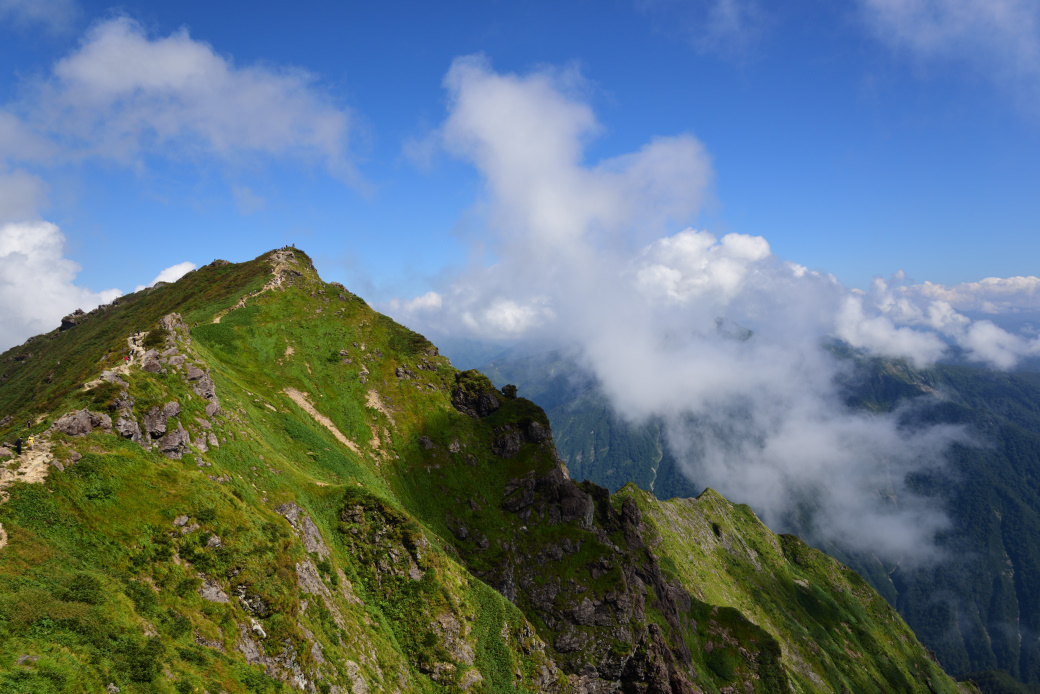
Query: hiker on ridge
(31, 439)
(18, 446)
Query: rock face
(82, 422)
(306, 529)
(175, 443)
(474, 395)
(127, 427)
(72, 320)
(151, 362)
(155, 422)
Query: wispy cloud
(123, 95)
(729, 28)
(998, 39)
(22, 195)
(53, 15)
(247, 201)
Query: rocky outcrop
(598, 619)
(127, 427)
(210, 590)
(156, 419)
(305, 528)
(474, 395)
(176, 329)
(175, 443)
(509, 439)
(151, 362)
(72, 320)
(82, 422)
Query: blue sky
(859, 139)
(637, 181)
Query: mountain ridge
(204, 528)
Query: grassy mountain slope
(300, 494)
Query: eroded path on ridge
(32, 468)
(280, 261)
(305, 404)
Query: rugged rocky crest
(352, 514)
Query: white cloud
(37, 282)
(19, 142)
(880, 335)
(123, 94)
(55, 15)
(937, 308)
(586, 253)
(990, 295)
(426, 302)
(998, 38)
(170, 274)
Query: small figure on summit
(30, 441)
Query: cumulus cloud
(938, 309)
(170, 274)
(123, 95)
(37, 282)
(718, 337)
(996, 37)
(993, 295)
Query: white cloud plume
(123, 94)
(996, 37)
(170, 274)
(37, 282)
(716, 335)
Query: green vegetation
(339, 522)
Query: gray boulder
(175, 443)
(82, 422)
(128, 428)
(155, 422)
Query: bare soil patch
(304, 402)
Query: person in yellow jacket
(30, 441)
